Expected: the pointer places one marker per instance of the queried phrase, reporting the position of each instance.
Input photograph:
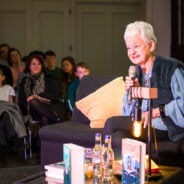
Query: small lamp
(137, 128)
(137, 120)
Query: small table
(171, 175)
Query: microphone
(132, 73)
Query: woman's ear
(152, 45)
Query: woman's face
(15, 57)
(35, 66)
(138, 50)
(67, 66)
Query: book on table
(55, 175)
(154, 167)
(74, 161)
(57, 167)
(55, 171)
(133, 161)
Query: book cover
(74, 161)
(133, 161)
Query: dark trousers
(42, 112)
(124, 124)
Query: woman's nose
(132, 51)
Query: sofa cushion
(103, 103)
(88, 84)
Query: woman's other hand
(155, 114)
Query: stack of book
(74, 159)
(54, 173)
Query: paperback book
(154, 166)
(133, 161)
(57, 167)
(55, 170)
(74, 161)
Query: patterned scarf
(34, 84)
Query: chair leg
(25, 148)
(30, 142)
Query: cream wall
(159, 15)
(89, 30)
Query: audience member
(167, 76)
(4, 63)
(38, 90)
(16, 65)
(24, 60)
(9, 77)
(7, 93)
(68, 67)
(4, 52)
(52, 69)
(81, 71)
(12, 126)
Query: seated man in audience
(4, 53)
(52, 69)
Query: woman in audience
(38, 91)
(14, 59)
(12, 126)
(68, 67)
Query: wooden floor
(16, 158)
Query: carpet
(12, 174)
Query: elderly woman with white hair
(166, 74)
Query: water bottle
(97, 160)
(108, 161)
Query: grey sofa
(78, 131)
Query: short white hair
(144, 29)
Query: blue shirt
(174, 109)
